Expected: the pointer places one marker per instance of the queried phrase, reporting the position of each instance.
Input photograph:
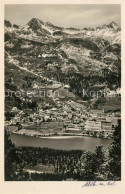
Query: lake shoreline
(59, 135)
(35, 133)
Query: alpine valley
(62, 102)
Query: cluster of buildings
(94, 123)
(101, 124)
(70, 118)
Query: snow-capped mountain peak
(35, 24)
(112, 25)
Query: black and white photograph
(62, 93)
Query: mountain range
(51, 54)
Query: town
(64, 117)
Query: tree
(100, 156)
(9, 157)
(111, 167)
(92, 163)
(89, 166)
(115, 153)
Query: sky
(78, 16)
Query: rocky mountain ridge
(65, 55)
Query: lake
(60, 142)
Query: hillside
(40, 54)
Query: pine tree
(115, 153)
